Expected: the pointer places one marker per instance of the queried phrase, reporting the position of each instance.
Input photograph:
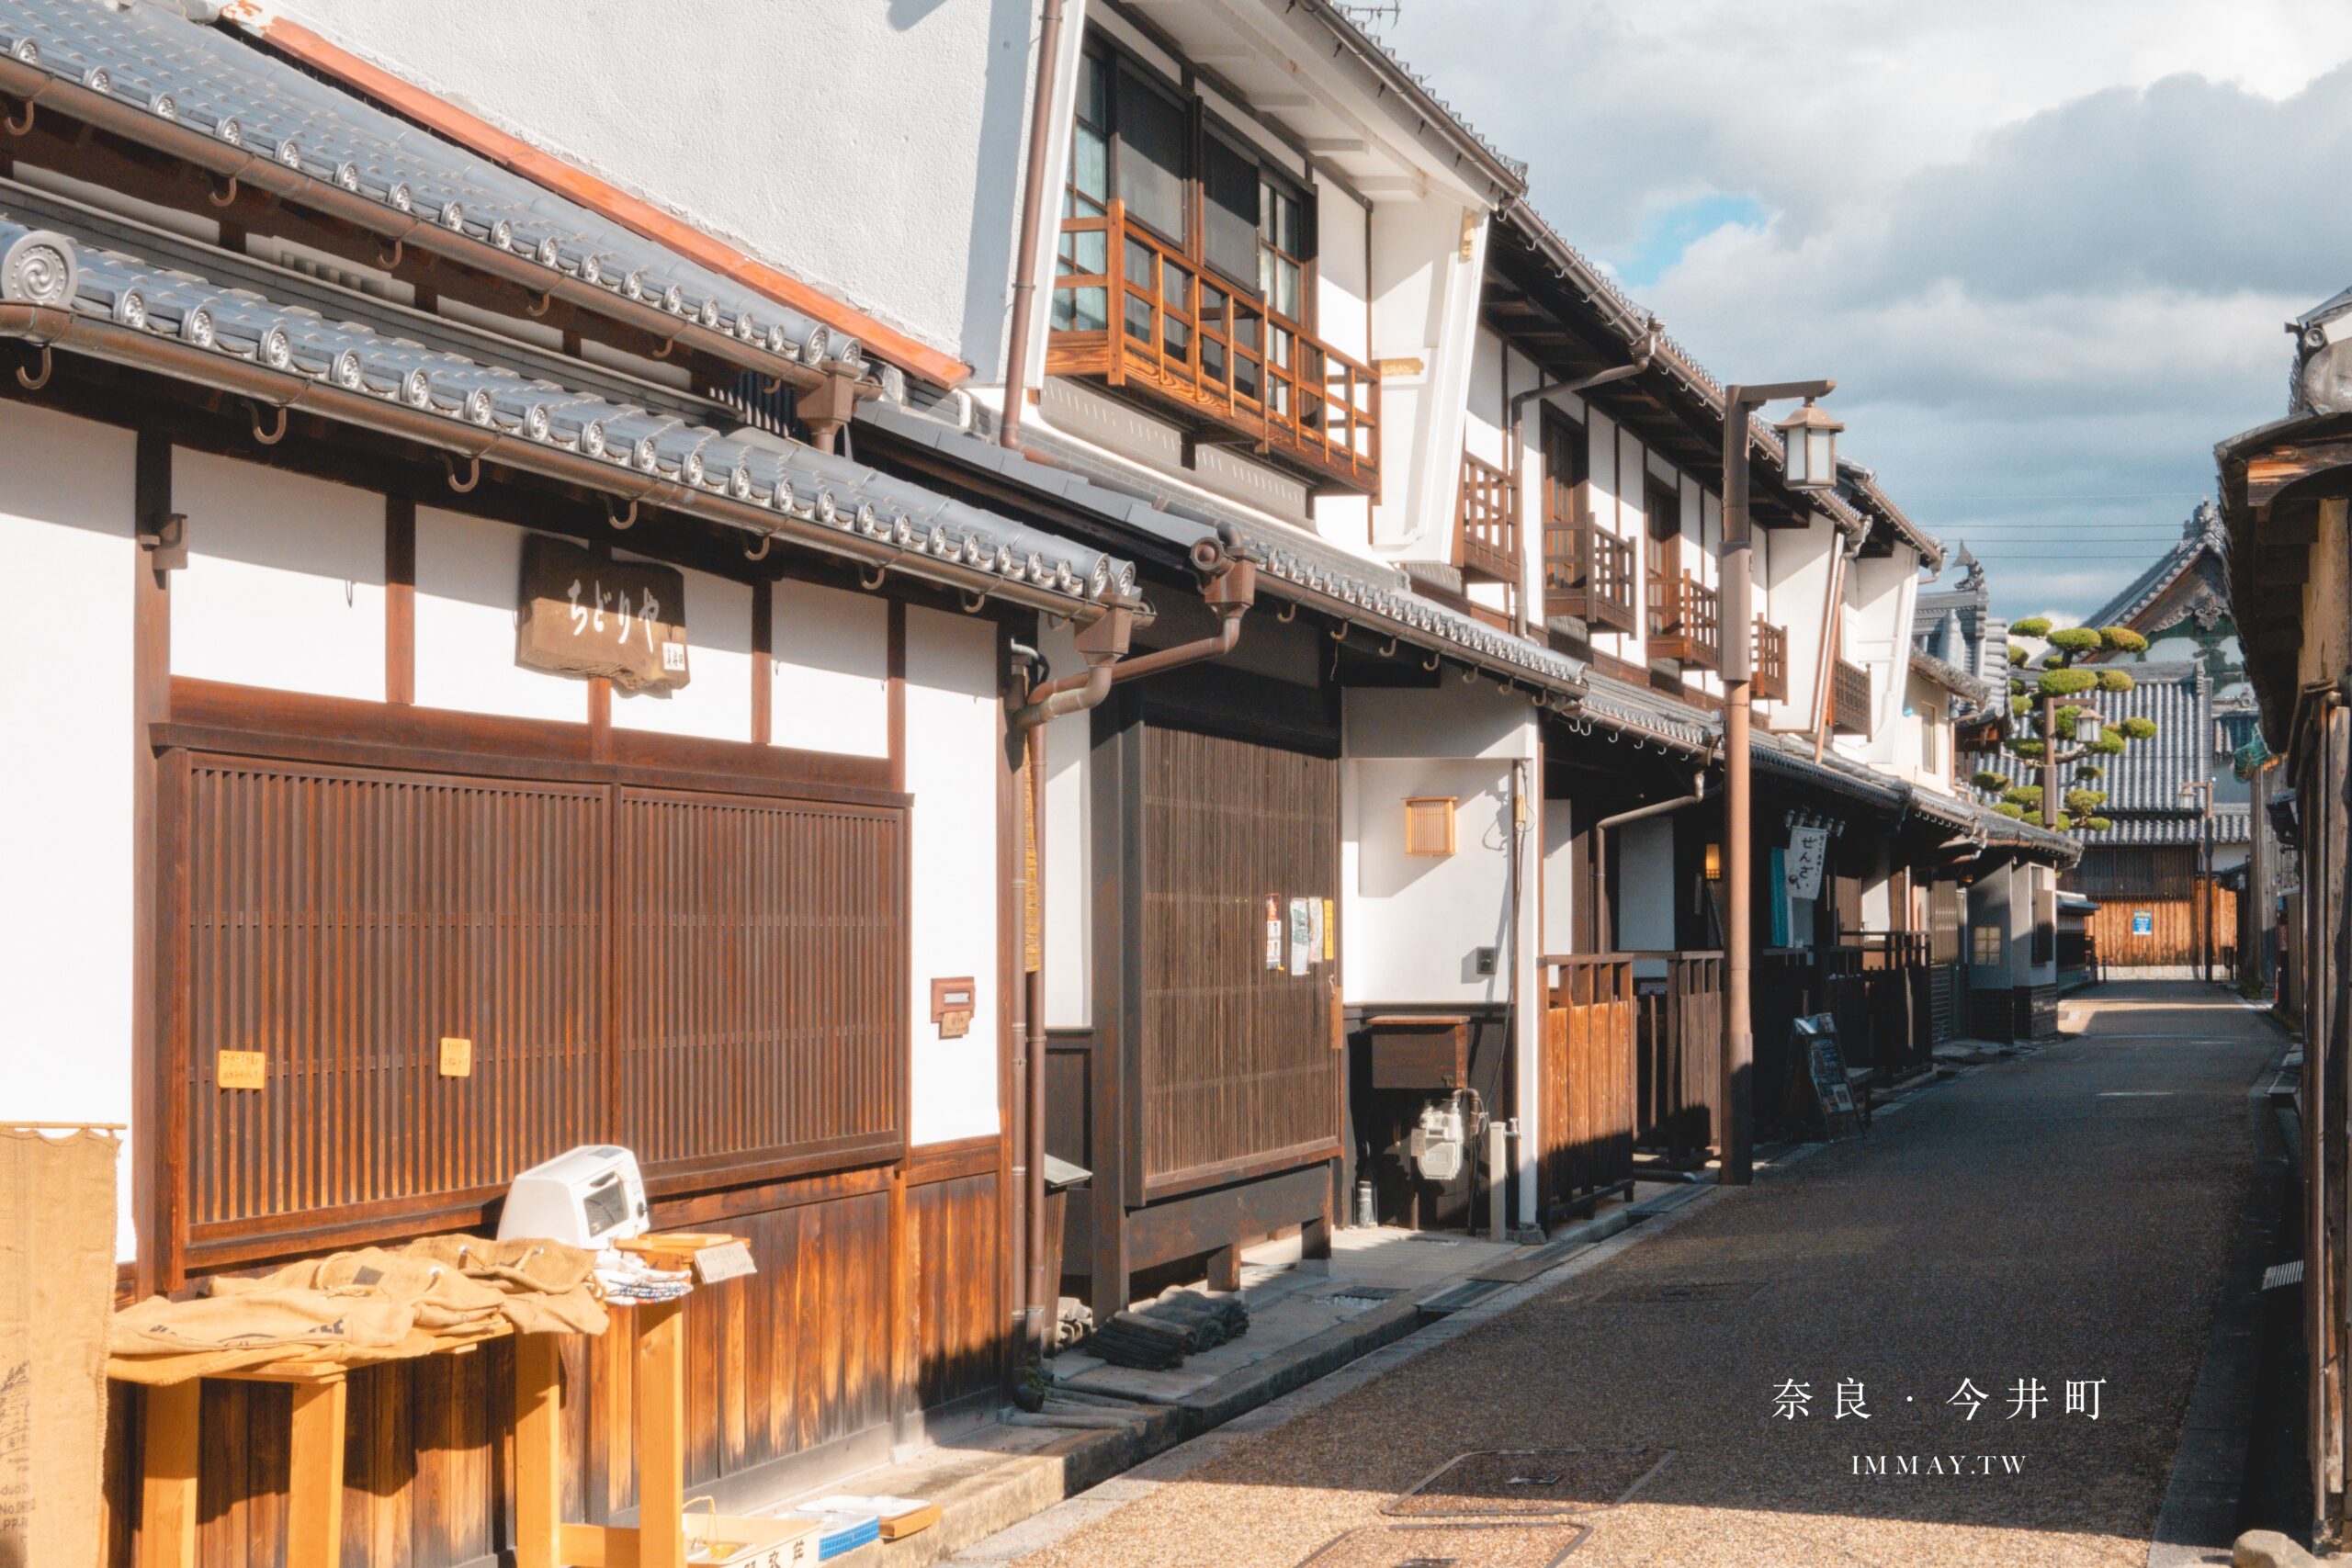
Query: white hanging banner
(1808, 853)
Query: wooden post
(538, 1449)
(660, 1434)
(167, 1487)
(314, 1474)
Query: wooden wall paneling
(959, 1323)
(400, 599)
(1237, 1073)
(296, 727)
(769, 937)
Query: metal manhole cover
(1684, 1290)
(1522, 1484)
(1451, 1546)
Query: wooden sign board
(586, 616)
(240, 1070)
(727, 1260)
(1825, 1070)
(456, 1057)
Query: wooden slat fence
(1586, 1121)
(1678, 1054)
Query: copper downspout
(1033, 210)
(46, 324)
(1230, 589)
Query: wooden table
(542, 1538)
(171, 1455)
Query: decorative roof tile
(756, 475)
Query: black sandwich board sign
(1816, 1035)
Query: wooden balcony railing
(1485, 539)
(1849, 697)
(1771, 658)
(1588, 573)
(1139, 313)
(1686, 621)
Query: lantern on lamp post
(2088, 724)
(1809, 437)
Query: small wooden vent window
(1986, 945)
(1429, 824)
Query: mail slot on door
(1426, 1053)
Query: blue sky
(2045, 251)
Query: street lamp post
(2203, 910)
(2088, 726)
(1811, 464)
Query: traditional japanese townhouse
(489, 731)
(1607, 437)
(2283, 490)
(1243, 247)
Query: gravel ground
(2061, 1217)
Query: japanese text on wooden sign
(583, 616)
(1808, 851)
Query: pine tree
(2054, 674)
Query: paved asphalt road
(2061, 1217)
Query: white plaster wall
(285, 580)
(1797, 576)
(830, 662)
(1450, 719)
(66, 511)
(760, 155)
(1559, 878)
(1412, 923)
(951, 772)
(1424, 307)
(1069, 850)
(469, 574)
(716, 701)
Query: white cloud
(2045, 250)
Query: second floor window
(1195, 186)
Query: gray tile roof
(749, 478)
(1296, 564)
(1953, 679)
(2146, 775)
(178, 74)
(2233, 824)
